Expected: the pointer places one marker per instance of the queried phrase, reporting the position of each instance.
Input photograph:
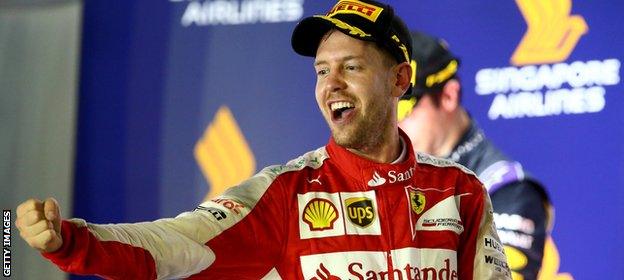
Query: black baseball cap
(433, 64)
(364, 20)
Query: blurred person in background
(437, 123)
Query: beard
(365, 132)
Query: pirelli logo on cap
(365, 10)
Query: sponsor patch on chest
(429, 212)
(323, 214)
(407, 263)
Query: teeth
(341, 105)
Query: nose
(335, 81)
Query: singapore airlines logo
(552, 33)
(237, 12)
(223, 154)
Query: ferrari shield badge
(417, 201)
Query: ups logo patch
(360, 211)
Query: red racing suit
(328, 214)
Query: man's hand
(39, 223)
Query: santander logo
(376, 181)
(393, 177)
(324, 274)
(406, 264)
(357, 269)
(400, 176)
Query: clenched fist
(39, 223)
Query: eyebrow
(346, 58)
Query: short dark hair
(436, 97)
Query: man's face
(353, 90)
(425, 125)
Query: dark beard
(368, 134)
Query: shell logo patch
(320, 214)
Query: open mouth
(341, 110)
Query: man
(437, 124)
(362, 207)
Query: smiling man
(354, 91)
(364, 206)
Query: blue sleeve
(520, 214)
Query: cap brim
(308, 33)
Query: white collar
(403, 154)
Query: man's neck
(385, 152)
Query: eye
(322, 71)
(352, 67)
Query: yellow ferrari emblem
(417, 201)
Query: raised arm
(220, 238)
(39, 224)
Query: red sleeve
(82, 253)
(214, 239)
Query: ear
(403, 74)
(450, 95)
